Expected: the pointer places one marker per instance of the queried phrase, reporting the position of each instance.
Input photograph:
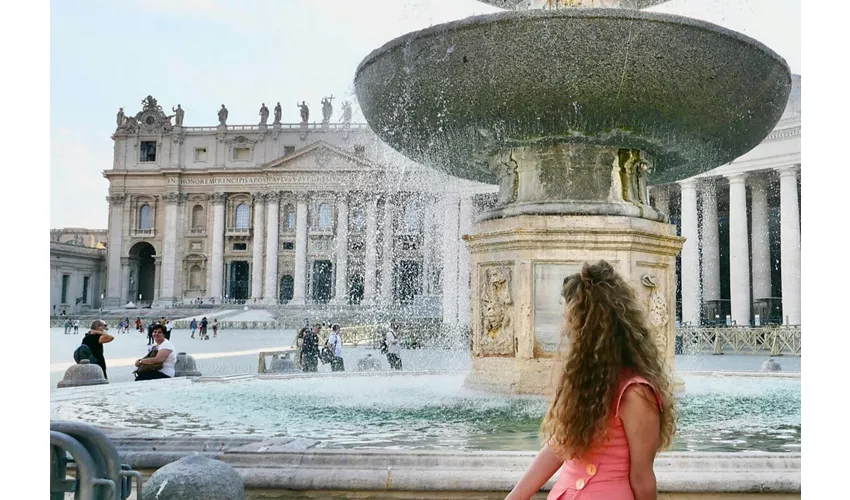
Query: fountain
(573, 113)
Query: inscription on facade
(306, 178)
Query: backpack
(83, 352)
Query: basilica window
(288, 150)
(289, 218)
(241, 154)
(145, 217)
(242, 212)
(195, 277)
(200, 154)
(358, 220)
(411, 218)
(325, 216)
(147, 151)
(197, 217)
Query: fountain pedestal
(518, 265)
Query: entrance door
(144, 253)
(408, 281)
(322, 281)
(239, 280)
(287, 288)
(355, 288)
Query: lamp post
(139, 302)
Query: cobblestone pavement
(235, 352)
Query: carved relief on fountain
(657, 314)
(497, 307)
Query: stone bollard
(771, 366)
(186, 366)
(194, 477)
(368, 364)
(282, 365)
(83, 373)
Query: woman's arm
(161, 356)
(545, 464)
(642, 423)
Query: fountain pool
(422, 411)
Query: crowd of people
(312, 347)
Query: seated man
(165, 354)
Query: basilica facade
(280, 214)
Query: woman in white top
(392, 348)
(335, 344)
(165, 354)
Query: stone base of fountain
(518, 265)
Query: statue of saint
(277, 113)
(305, 112)
(346, 113)
(222, 115)
(327, 109)
(264, 114)
(120, 117)
(178, 115)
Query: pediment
(320, 156)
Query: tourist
(162, 353)
(193, 325)
(76, 326)
(310, 350)
(120, 326)
(613, 408)
(94, 340)
(215, 328)
(150, 331)
(334, 343)
(67, 326)
(393, 352)
(203, 331)
(299, 348)
(168, 327)
(139, 324)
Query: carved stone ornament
(258, 197)
(150, 120)
(55, 234)
(117, 199)
(171, 198)
(656, 306)
(497, 329)
(218, 197)
(272, 196)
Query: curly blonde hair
(608, 335)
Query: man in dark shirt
(311, 350)
(94, 340)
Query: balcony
(238, 232)
(198, 231)
(142, 233)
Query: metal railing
(773, 340)
(98, 475)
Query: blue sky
(202, 53)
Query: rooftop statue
(222, 115)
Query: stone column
(428, 217)
(388, 258)
(257, 255)
(760, 239)
(125, 282)
(691, 303)
(451, 239)
(270, 295)
(169, 250)
(369, 280)
(710, 242)
(789, 227)
(157, 278)
(116, 285)
(465, 216)
(298, 296)
(739, 250)
(217, 261)
(341, 250)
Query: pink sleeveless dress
(604, 472)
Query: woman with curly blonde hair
(613, 407)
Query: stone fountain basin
(691, 94)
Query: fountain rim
(576, 13)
